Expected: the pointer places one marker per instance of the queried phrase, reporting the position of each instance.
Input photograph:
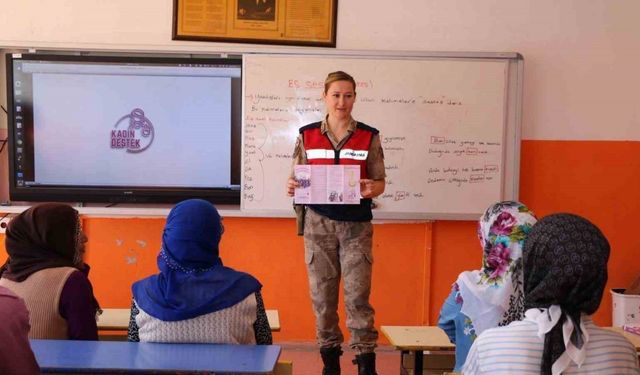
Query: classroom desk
(417, 339)
(134, 357)
(118, 320)
(274, 320)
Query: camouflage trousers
(334, 249)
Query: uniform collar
(324, 127)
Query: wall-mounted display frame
(288, 22)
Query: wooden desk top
(434, 338)
(124, 357)
(274, 320)
(118, 320)
(418, 338)
(114, 319)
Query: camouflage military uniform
(335, 249)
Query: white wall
(582, 58)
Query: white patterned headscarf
(493, 295)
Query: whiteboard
(449, 128)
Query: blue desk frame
(72, 356)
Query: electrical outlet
(3, 224)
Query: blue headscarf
(192, 280)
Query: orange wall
(121, 251)
(415, 264)
(599, 180)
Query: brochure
(327, 184)
(632, 328)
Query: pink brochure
(327, 184)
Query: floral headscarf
(493, 295)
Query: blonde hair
(338, 76)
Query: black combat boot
(331, 360)
(366, 363)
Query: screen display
(124, 128)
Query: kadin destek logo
(133, 132)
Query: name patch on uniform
(354, 154)
(320, 154)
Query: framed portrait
(288, 22)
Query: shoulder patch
(363, 126)
(310, 126)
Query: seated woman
(492, 295)
(16, 356)
(565, 272)
(195, 298)
(45, 268)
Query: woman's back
(243, 323)
(491, 296)
(194, 297)
(565, 273)
(16, 356)
(46, 246)
(41, 292)
(517, 349)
